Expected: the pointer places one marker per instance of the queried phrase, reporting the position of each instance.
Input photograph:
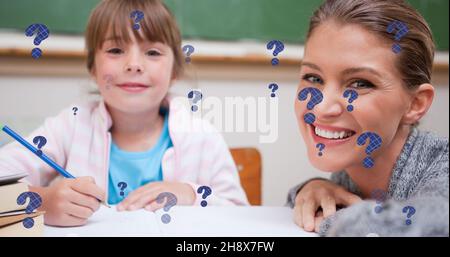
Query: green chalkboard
(263, 20)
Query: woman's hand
(316, 194)
(69, 202)
(145, 196)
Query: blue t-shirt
(136, 168)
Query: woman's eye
(153, 53)
(115, 51)
(362, 84)
(313, 79)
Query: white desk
(189, 221)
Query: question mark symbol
(316, 98)
(321, 147)
(279, 47)
(195, 96)
(273, 87)
(75, 109)
(122, 186)
(40, 141)
(42, 34)
(410, 210)
(170, 202)
(380, 196)
(188, 49)
(35, 202)
(402, 31)
(137, 16)
(353, 96)
(206, 192)
(375, 143)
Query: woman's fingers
(308, 213)
(298, 213)
(317, 221)
(346, 198)
(328, 205)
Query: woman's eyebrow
(361, 69)
(311, 65)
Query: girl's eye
(362, 84)
(153, 53)
(115, 51)
(313, 79)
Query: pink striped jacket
(81, 144)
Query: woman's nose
(331, 105)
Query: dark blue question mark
(206, 192)
(402, 31)
(380, 196)
(375, 143)
(122, 186)
(42, 34)
(40, 141)
(321, 147)
(410, 210)
(279, 47)
(35, 202)
(353, 96)
(274, 88)
(188, 49)
(196, 96)
(137, 16)
(316, 98)
(170, 202)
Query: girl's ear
(422, 99)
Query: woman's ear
(422, 98)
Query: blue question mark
(353, 96)
(321, 147)
(410, 210)
(206, 192)
(375, 143)
(402, 31)
(188, 49)
(170, 202)
(274, 88)
(122, 186)
(42, 34)
(137, 16)
(35, 202)
(279, 47)
(316, 98)
(40, 141)
(195, 96)
(380, 196)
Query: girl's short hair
(158, 25)
(415, 61)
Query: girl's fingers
(154, 206)
(144, 200)
(308, 213)
(78, 211)
(72, 221)
(86, 201)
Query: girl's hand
(145, 196)
(320, 194)
(69, 202)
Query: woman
(349, 47)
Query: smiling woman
(349, 51)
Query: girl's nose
(134, 68)
(134, 63)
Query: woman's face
(133, 77)
(338, 58)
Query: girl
(135, 134)
(348, 47)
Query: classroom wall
(29, 92)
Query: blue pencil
(42, 156)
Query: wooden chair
(248, 162)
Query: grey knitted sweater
(420, 179)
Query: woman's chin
(326, 163)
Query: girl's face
(338, 58)
(133, 77)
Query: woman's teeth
(332, 134)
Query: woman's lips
(329, 135)
(133, 87)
